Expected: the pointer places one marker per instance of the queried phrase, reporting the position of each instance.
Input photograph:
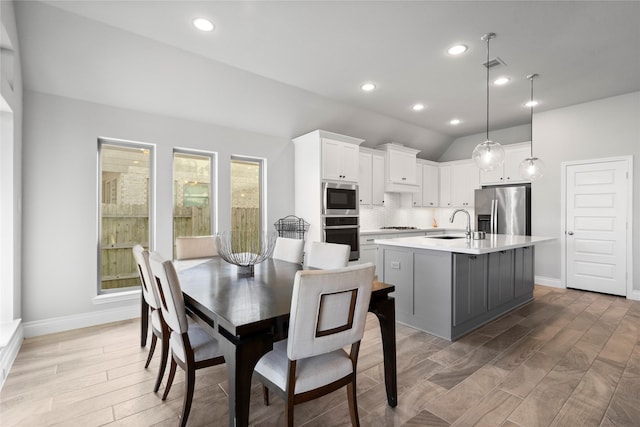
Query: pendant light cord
(531, 108)
(487, 65)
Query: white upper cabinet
(340, 160)
(458, 182)
(400, 168)
(365, 179)
(427, 177)
(430, 186)
(508, 173)
(371, 179)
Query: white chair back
(171, 298)
(195, 247)
(290, 250)
(328, 255)
(149, 293)
(328, 309)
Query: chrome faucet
(467, 232)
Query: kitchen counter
(493, 243)
(449, 287)
(411, 230)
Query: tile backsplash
(397, 211)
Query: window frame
(263, 185)
(213, 185)
(102, 141)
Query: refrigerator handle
(493, 201)
(494, 217)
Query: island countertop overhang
(492, 243)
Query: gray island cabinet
(449, 287)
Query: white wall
(461, 148)
(60, 203)
(605, 128)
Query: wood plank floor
(570, 358)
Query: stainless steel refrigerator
(504, 210)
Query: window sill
(117, 297)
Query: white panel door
(596, 226)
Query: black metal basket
(292, 227)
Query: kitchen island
(448, 286)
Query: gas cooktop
(398, 227)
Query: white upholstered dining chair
(328, 312)
(159, 328)
(287, 249)
(327, 255)
(191, 346)
(195, 247)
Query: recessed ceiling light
(455, 122)
(203, 24)
(457, 49)
(530, 104)
(368, 87)
(418, 107)
(501, 81)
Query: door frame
(563, 216)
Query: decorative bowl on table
(245, 248)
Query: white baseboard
(549, 281)
(66, 323)
(10, 350)
(634, 295)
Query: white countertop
(411, 230)
(493, 243)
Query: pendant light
(531, 168)
(488, 155)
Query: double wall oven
(340, 216)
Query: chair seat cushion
(311, 373)
(203, 344)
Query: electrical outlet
(395, 265)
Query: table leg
(385, 310)
(144, 321)
(241, 356)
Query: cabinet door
(513, 157)
(331, 159)
(524, 276)
(465, 179)
(445, 186)
(349, 156)
(495, 176)
(402, 167)
(500, 278)
(469, 287)
(417, 196)
(377, 180)
(430, 186)
(364, 179)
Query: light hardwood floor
(569, 358)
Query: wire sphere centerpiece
(245, 248)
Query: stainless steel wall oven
(344, 230)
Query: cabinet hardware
(570, 233)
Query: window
(247, 213)
(192, 194)
(125, 170)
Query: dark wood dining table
(249, 313)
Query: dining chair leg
(163, 361)
(189, 386)
(172, 373)
(265, 395)
(288, 412)
(353, 403)
(152, 348)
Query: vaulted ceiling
(287, 67)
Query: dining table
(247, 314)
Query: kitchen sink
(445, 237)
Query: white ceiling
(312, 57)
